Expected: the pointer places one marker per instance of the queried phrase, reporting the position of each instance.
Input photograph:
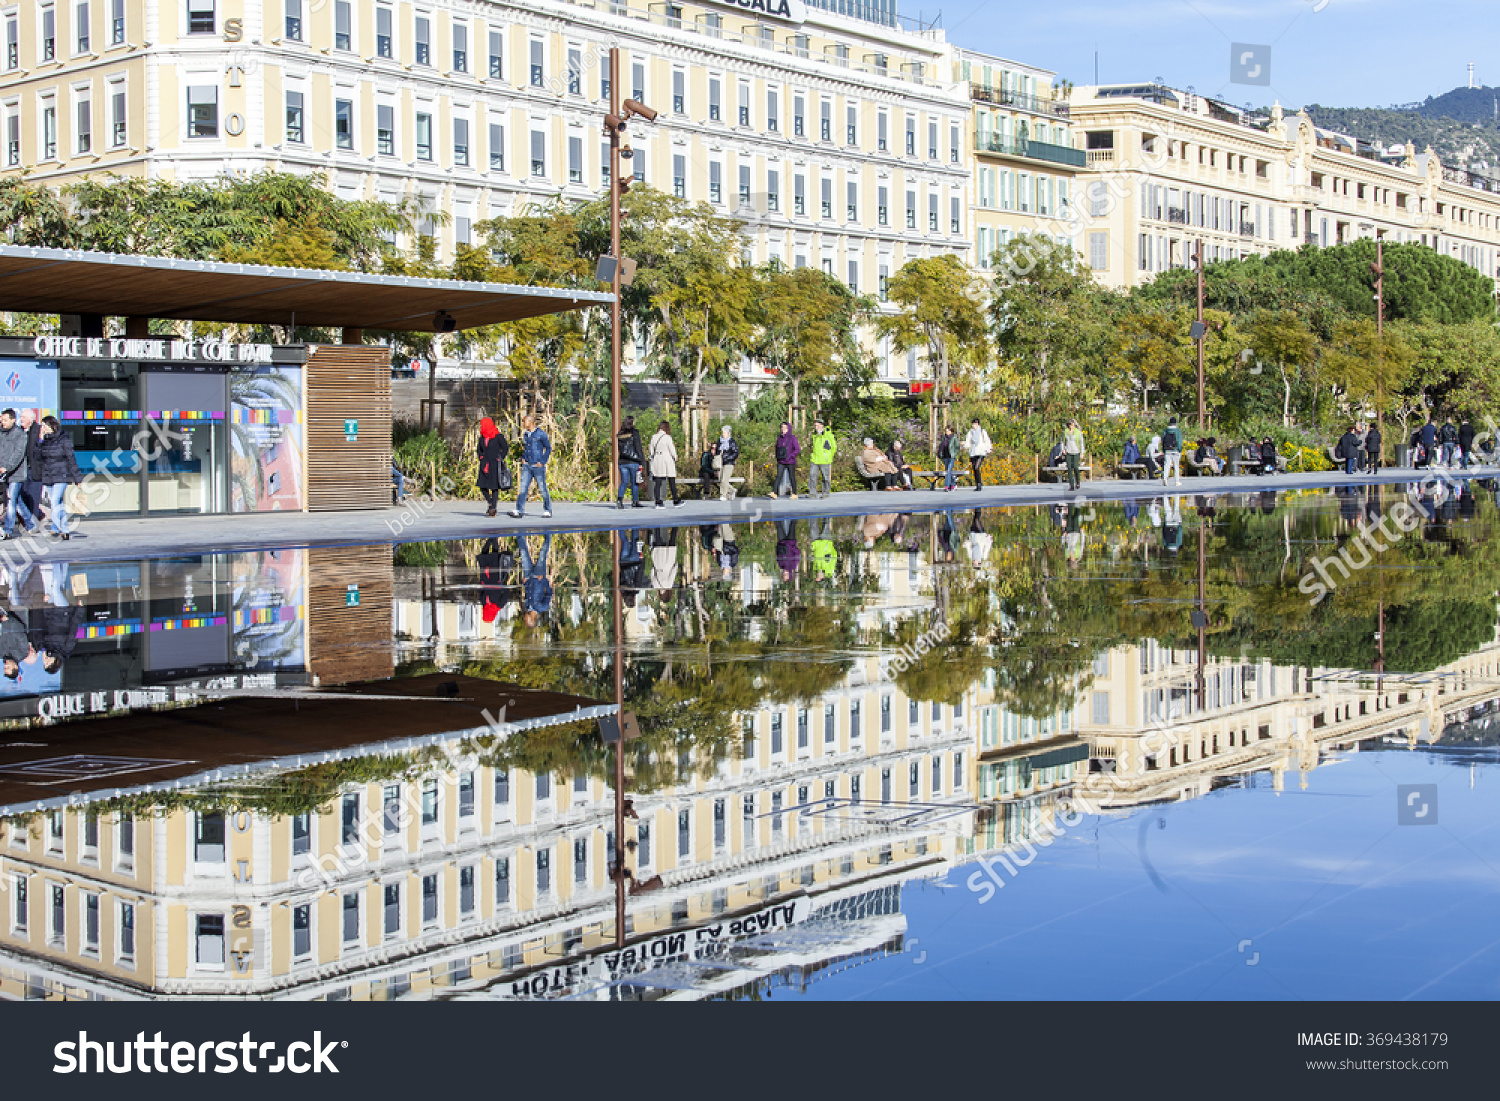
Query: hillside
(1459, 125)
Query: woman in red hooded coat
(492, 449)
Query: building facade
(1024, 157)
(1166, 168)
(839, 139)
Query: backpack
(1171, 439)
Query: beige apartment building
(1168, 168)
(838, 137)
(1025, 159)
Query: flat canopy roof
(66, 281)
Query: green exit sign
(351, 596)
(351, 430)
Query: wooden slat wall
(344, 381)
(347, 644)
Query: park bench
(704, 486)
(1130, 470)
(872, 480)
(1059, 471)
(933, 477)
(1203, 470)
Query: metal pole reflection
(619, 868)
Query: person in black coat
(492, 448)
(57, 469)
(1269, 464)
(1348, 449)
(31, 488)
(53, 633)
(630, 454)
(1372, 449)
(1466, 441)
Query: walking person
(1448, 437)
(947, 454)
(788, 447)
(31, 488)
(1372, 449)
(977, 444)
(726, 454)
(492, 449)
(631, 455)
(536, 453)
(13, 447)
(1428, 437)
(1171, 452)
(1072, 445)
(822, 448)
(1465, 443)
(1348, 449)
(663, 464)
(59, 470)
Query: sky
(1337, 53)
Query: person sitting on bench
(1152, 457)
(1132, 457)
(877, 465)
(903, 468)
(1205, 455)
(1270, 462)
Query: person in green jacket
(824, 447)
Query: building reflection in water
(257, 807)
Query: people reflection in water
(788, 552)
(872, 527)
(54, 631)
(537, 586)
(1268, 501)
(945, 533)
(1171, 525)
(980, 541)
(825, 556)
(727, 550)
(1132, 511)
(1072, 540)
(497, 588)
(15, 646)
(664, 561)
(632, 566)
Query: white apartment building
(1167, 168)
(838, 136)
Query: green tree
(806, 327)
(1283, 337)
(937, 312)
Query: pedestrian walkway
(425, 520)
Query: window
(385, 129)
(744, 185)
(423, 40)
(390, 816)
(953, 218)
(210, 940)
(798, 109)
(497, 164)
(301, 834)
(958, 770)
(49, 34)
(466, 795)
(851, 204)
(911, 136)
(429, 899)
(830, 732)
(744, 105)
(49, 131)
(502, 786)
(203, 111)
(502, 881)
(883, 122)
(424, 136)
(385, 21)
(575, 160)
(854, 276)
(208, 846)
(497, 55)
(351, 917)
(914, 781)
(885, 294)
(20, 915)
(295, 118)
(461, 143)
(953, 144)
(201, 21)
(825, 120)
(349, 824)
(932, 142)
(679, 176)
(466, 891)
(684, 834)
(772, 103)
(13, 40)
(343, 123)
(1099, 250)
(574, 71)
(826, 199)
(799, 194)
(12, 138)
(302, 931)
(57, 930)
(391, 911)
(679, 92)
(604, 83)
(851, 126)
(429, 802)
(854, 720)
(538, 168)
(126, 945)
(1100, 699)
(643, 843)
(714, 89)
(882, 208)
(343, 25)
(90, 922)
(638, 82)
(460, 48)
(580, 861)
(538, 73)
(715, 182)
(84, 135)
(543, 871)
(801, 728)
(81, 28)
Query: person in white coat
(661, 457)
(977, 444)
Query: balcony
(1036, 150)
(1101, 157)
(1007, 98)
(1177, 215)
(1247, 229)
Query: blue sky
(1351, 53)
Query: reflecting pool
(1188, 747)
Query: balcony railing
(1004, 97)
(1247, 229)
(1025, 147)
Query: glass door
(186, 465)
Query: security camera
(614, 122)
(444, 322)
(626, 152)
(632, 107)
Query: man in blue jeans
(536, 453)
(13, 448)
(536, 586)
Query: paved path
(428, 520)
